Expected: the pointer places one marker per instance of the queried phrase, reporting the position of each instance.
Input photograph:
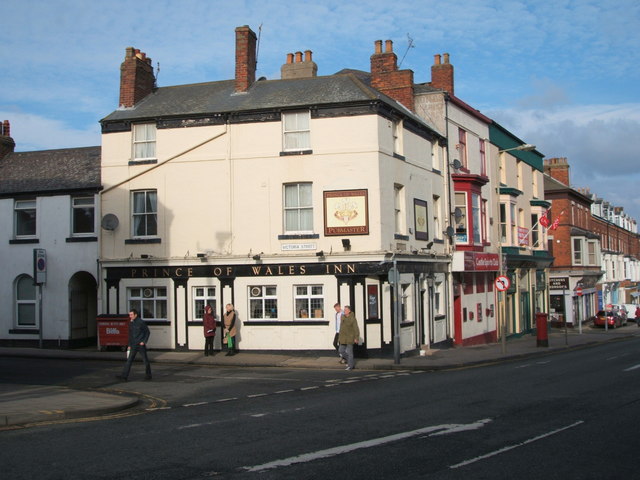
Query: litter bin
(542, 330)
(113, 331)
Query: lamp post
(502, 319)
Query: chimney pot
(388, 45)
(446, 57)
(378, 48)
(298, 57)
(307, 55)
(6, 128)
(289, 57)
(436, 59)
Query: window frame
(299, 131)
(264, 297)
(399, 209)
(149, 294)
(144, 214)
(462, 147)
(19, 210)
(148, 142)
(309, 296)
(75, 208)
(19, 302)
(462, 237)
(302, 210)
(207, 298)
(577, 251)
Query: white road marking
(286, 391)
(511, 447)
(226, 399)
(194, 404)
(631, 368)
(309, 388)
(332, 452)
(255, 395)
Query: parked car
(612, 318)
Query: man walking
(138, 337)
(349, 334)
(336, 344)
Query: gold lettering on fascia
(336, 269)
(256, 270)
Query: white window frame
(22, 302)
(305, 302)
(151, 302)
(399, 209)
(476, 218)
(592, 252)
(144, 141)
(23, 207)
(145, 214)
(396, 133)
(78, 205)
(437, 228)
(299, 213)
(267, 297)
(577, 251)
(296, 131)
(203, 295)
(460, 201)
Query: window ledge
(284, 323)
(399, 157)
(18, 241)
(151, 161)
(296, 152)
(142, 241)
(81, 239)
(24, 331)
(302, 236)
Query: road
(563, 416)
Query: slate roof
(50, 171)
(347, 86)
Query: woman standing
(209, 323)
(230, 329)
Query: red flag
(556, 222)
(544, 220)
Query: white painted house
(49, 245)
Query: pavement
(28, 405)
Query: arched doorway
(83, 301)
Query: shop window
(263, 302)
(151, 302)
(203, 296)
(309, 302)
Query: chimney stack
(442, 74)
(245, 58)
(386, 78)
(7, 145)
(558, 169)
(136, 77)
(300, 68)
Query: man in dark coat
(138, 337)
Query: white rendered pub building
(281, 197)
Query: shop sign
(559, 283)
(479, 261)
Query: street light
(502, 320)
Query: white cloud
(34, 132)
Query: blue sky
(561, 74)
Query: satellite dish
(457, 164)
(457, 213)
(109, 222)
(450, 231)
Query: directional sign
(503, 283)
